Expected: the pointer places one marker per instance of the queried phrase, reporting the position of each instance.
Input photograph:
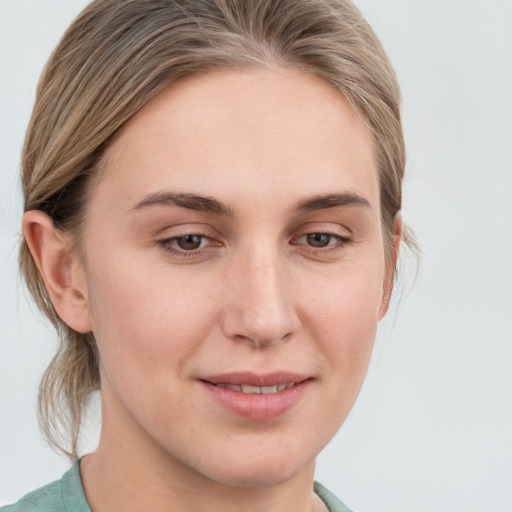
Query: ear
(391, 265)
(61, 271)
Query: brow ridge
(184, 200)
(324, 201)
(210, 205)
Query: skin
(257, 293)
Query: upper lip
(255, 379)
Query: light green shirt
(67, 495)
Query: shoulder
(65, 495)
(332, 502)
(44, 499)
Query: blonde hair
(119, 54)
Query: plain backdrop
(432, 429)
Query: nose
(260, 306)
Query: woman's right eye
(189, 242)
(185, 245)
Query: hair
(119, 54)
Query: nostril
(260, 307)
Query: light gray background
(432, 429)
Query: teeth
(256, 390)
(246, 388)
(234, 387)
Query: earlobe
(391, 265)
(60, 270)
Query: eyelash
(166, 245)
(340, 242)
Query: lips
(256, 396)
(258, 390)
(255, 379)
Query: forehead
(243, 131)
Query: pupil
(318, 239)
(189, 242)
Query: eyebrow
(211, 205)
(322, 202)
(189, 201)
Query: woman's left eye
(321, 240)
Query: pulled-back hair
(118, 55)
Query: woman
(212, 223)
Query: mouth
(257, 396)
(256, 383)
(257, 390)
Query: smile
(257, 390)
(257, 397)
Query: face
(234, 271)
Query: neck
(128, 471)
(130, 483)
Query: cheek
(343, 320)
(348, 301)
(145, 316)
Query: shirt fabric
(67, 495)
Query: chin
(257, 470)
(254, 477)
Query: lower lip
(257, 406)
